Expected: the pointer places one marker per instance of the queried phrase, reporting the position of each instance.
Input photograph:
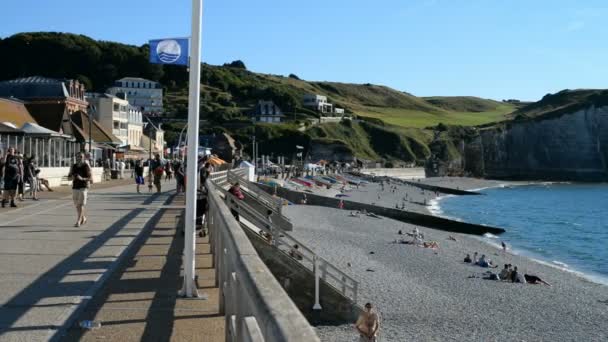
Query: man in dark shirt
(11, 177)
(157, 169)
(80, 173)
(139, 175)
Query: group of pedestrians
(17, 171)
(167, 168)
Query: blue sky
(489, 48)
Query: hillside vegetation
(565, 101)
(393, 125)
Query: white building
(339, 110)
(267, 111)
(318, 103)
(144, 94)
(112, 113)
(135, 126)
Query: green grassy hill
(393, 127)
(565, 101)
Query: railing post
(317, 305)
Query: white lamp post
(189, 286)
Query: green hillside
(463, 103)
(565, 101)
(394, 121)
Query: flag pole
(189, 286)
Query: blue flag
(169, 51)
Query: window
(116, 125)
(123, 125)
(116, 107)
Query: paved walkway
(50, 269)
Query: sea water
(562, 224)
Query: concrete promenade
(50, 271)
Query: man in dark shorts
(139, 175)
(80, 173)
(11, 178)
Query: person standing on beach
(80, 173)
(368, 324)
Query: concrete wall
(396, 214)
(299, 283)
(429, 187)
(402, 173)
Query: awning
(216, 161)
(104, 146)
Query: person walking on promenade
(204, 173)
(180, 177)
(107, 170)
(20, 184)
(169, 172)
(139, 175)
(80, 173)
(11, 178)
(368, 324)
(156, 170)
(30, 175)
(121, 167)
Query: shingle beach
(432, 295)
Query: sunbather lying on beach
(354, 214)
(431, 244)
(532, 279)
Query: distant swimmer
(368, 324)
(504, 246)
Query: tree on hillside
(236, 64)
(63, 55)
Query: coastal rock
(571, 146)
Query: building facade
(135, 126)
(155, 136)
(267, 111)
(141, 93)
(39, 90)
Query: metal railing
(256, 307)
(273, 203)
(285, 243)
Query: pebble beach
(432, 295)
